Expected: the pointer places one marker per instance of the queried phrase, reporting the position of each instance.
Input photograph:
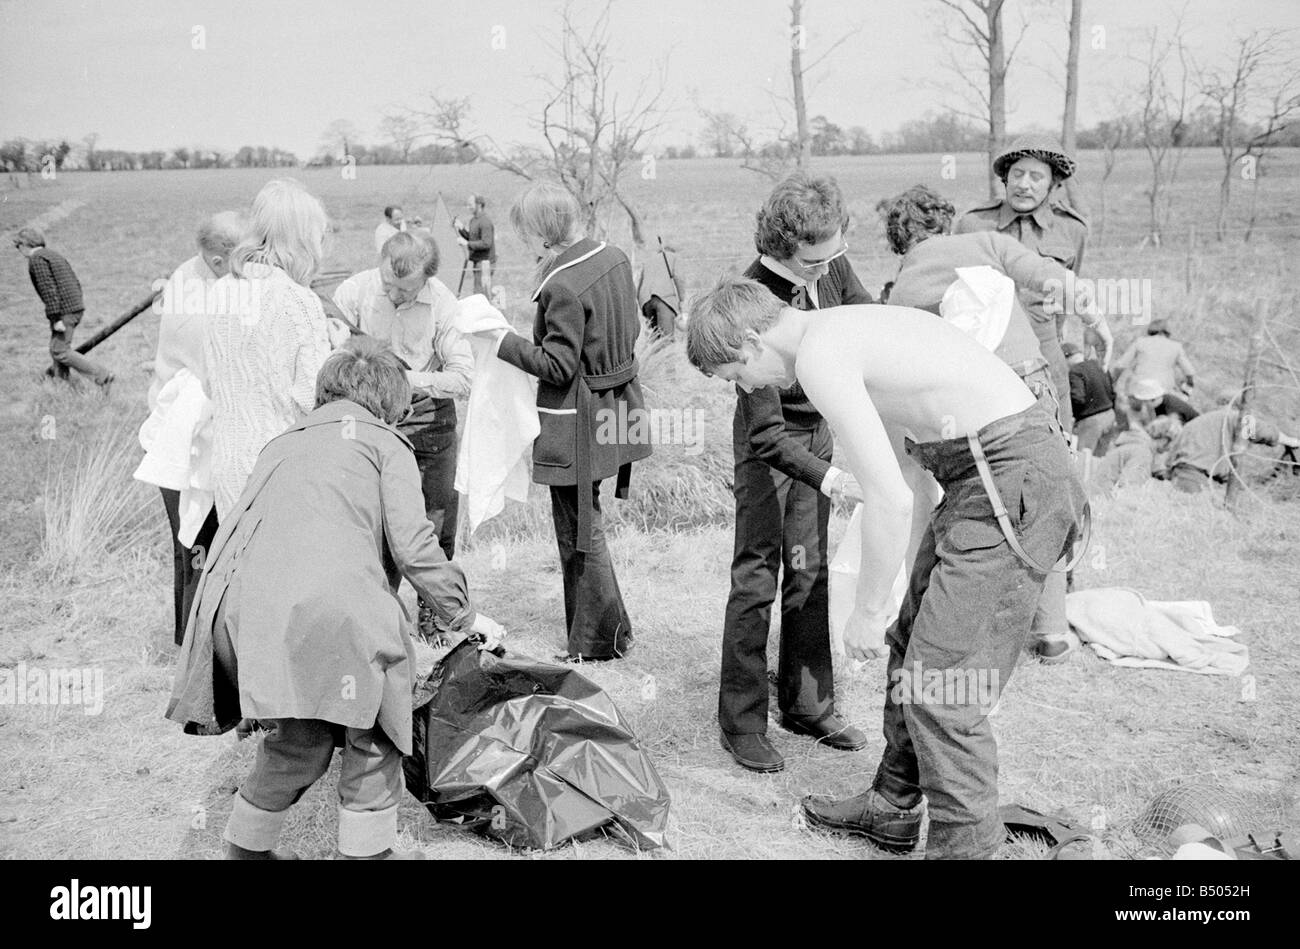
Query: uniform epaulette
(1069, 212)
(991, 204)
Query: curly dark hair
(914, 215)
(800, 210)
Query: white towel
(501, 421)
(1127, 629)
(979, 302)
(177, 440)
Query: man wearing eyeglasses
(403, 304)
(784, 484)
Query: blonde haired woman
(268, 340)
(582, 354)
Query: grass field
(1094, 740)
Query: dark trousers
(435, 455)
(781, 527)
(187, 562)
(594, 614)
(968, 610)
(65, 357)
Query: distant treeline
(723, 138)
(928, 135)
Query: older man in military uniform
(1031, 168)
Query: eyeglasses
(814, 264)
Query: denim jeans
(968, 610)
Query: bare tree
(1162, 120)
(338, 139)
(1285, 102)
(719, 136)
(978, 26)
(791, 140)
(1257, 58)
(401, 130)
(592, 134)
(1114, 135)
(799, 70)
(1070, 113)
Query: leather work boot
(753, 752)
(830, 730)
(868, 815)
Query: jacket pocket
(555, 443)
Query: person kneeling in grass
(905, 391)
(297, 612)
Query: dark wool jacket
(584, 337)
(765, 413)
(55, 282)
(481, 235)
(1090, 390)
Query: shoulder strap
(1004, 521)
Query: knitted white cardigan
(263, 353)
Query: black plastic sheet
(530, 753)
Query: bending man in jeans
(403, 304)
(905, 391)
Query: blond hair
(548, 211)
(286, 229)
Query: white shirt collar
(780, 270)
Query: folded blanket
(1124, 627)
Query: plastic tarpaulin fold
(529, 752)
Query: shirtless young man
(905, 391)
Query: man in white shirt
(402, 303)
(182, 309)
(394, 222)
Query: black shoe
(753, 752)
(868, 815)
(828, 731)
(568, 660)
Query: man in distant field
(403, 304)
(904, 390)
(784, 484)
(478, 237)
(393, 222)
(1201, 454)
(1092, 398)
(180, 346)
(60, 290)
(1148, 400)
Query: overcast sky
(279, 73)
